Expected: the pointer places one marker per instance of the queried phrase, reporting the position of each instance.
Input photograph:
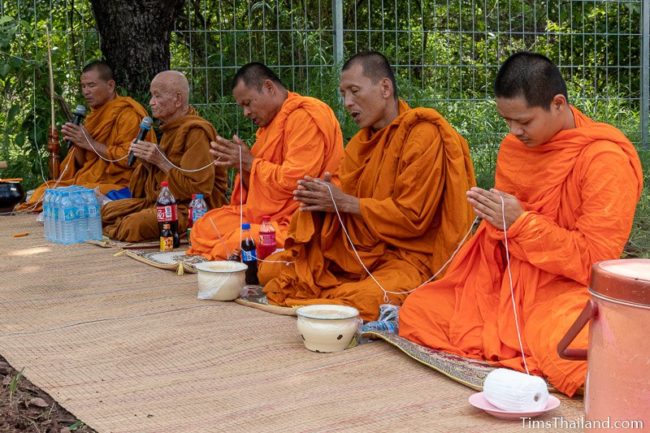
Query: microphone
(79, 114)
(145, 126)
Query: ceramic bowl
(221, 280)
(11, 193)
(327, 328)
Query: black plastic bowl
(11, 193)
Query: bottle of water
(81, 217)
(94, 215)
(67, 215)
(56, 215)
(200, 208)
(47, 220)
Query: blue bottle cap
(246, 226)
(199, 196)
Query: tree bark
(134, 38)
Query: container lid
(164, 183)
(624, 280)
(246, 226)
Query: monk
(398, 215)
(297, 136)
(565, 194)
(98, 155)
(183, 160)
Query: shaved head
(254, 74)
(173, 82)
(531, 76)
(375, 66)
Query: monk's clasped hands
(488, 206)
(316, 194)
(226, 153)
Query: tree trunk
(135, 37)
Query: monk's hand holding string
(320, 195)
(488, 206)
(149, 152)
(75, 134)
(227, 153)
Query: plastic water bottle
(56, 215)
(47, 218)
(267, 238)
(190, 219)
(200, 208)
(67, 216)
(94, 215)
(81, 217)
(248, 255)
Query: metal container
(617, 391)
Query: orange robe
(411, 177)
(304, 138)
(579, 192)
(186, 143)
(115, 124)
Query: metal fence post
(337, 8)
(645, 72)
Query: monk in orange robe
(298, 136)
(98, 155)
(565, 195)
(401, 200)
(183, 160)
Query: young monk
(565, 194)
(184, 149)
(296, 136)
(402, 201)
(107, 132)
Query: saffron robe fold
(411, 177)
(579, 192)
(304, 138)
(186, 143)
(115, 124)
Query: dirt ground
(24, 408)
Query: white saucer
(478, 401)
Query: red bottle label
(267, 238)
(166, 213)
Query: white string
(512, 291)
(386, 292)
(83, 130)
(241, 201)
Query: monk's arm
(196, 155)
(127, 126)
(608, 194)
(417, 192)
(304, 153)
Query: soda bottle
(167, 212)
(166, 238)
(248, 254)
(190, 219)
(267, 238)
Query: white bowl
(327, 328)
(221, 280)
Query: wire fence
(445, 52)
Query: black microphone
(145, 126)
(79, 114)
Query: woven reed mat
(129, 348)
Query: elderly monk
(565, 194)
(401, 201)
(297, 136)
(97, 156)
(183, 159)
